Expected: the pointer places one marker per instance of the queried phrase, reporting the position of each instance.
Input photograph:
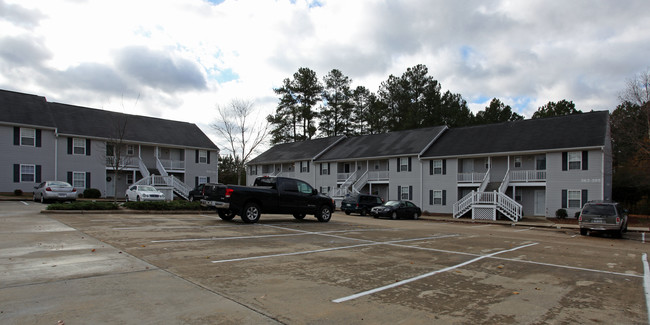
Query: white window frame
(252, 170)
(403, 164)
(575, 197)
(129, 179)
(203, 179)
(519, 194)
(203, 156)
(518, 162)
(325, 190)
(405, 193)
(437, 167)
(304, 166)
(79, 179)
(25, 173)
(323, 169)
(28, 135)
(130, 150)
(437, 197)
(78, 146)
(575, 160)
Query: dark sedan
(396, 209)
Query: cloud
(23, 51)
(20, 16)
(160, 70)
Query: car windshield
(147, 189)
(60, 184)
(392, 204)
(599, 209)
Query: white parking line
(396, 284)
(300, 233)
(23, 202)
(527, 229)
(646, 283)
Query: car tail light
(49, 189)
(580, 217)
(74, 189)
(618, 219)
(229, 192)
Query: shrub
(577, 215)
(561, 214)
(85, 205)
(168, 206)
(92, 193)
(18, 192)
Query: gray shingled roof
(563, 132)
(399, 143)
(295, 151)
(24, 109)
(18, 108)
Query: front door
(540, 202)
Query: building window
(79, 146)
(574, 197)
(575, 160)
(130, 150)
(540, 162)
(324, 169)
(405, 193)
(252, 170)
(518, 194)
(27, 173)
(203, 156)
(304, 167)
(203, 179)
(404, 164)
(325, 189)
(110, 150)
(27, 137)
(79, 179)
(129, 178)
(437, 167)
(437, 197)
(517, 161)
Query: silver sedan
(144, 193)
(54, 191)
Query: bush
(577, 215)
(167, 206)
(18, 192)
(561, 214)
(83, 206)
(92, 193)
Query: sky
(180, 59)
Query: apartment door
(540, 202)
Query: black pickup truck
(268, 195)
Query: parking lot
(198, 269)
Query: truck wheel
(363, 212)
(347, 212)
(299, 216)
(324, 213)
(225, 214)
(251, 213)
(583, 231)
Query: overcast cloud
(178, 59)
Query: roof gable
(561, 132)
(25, 109)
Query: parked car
(54, 191)
(603, 216)
(361, 203)
(144, 193)
(196, 194)
(397, 209)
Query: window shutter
(16, 136)
(69, 146)
(585, 198)
(208, 179)
(430, 167)
(196, 181)
(38, 138)
(88, 180)
(409, 163)
(88, 143)
(328, 170)
(565, 160)
(321, 169)
(197, 156)
(70, 178)
(585, 160)
(444, 166)
(398, 166)
(430, 197)
(308, 166)
(207, 153)
(410, 192)
(16, 173)
(37, 177)
(564, 199)
(444, 197)
(399, 192)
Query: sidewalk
(540, 222)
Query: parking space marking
(527, 229)
(646, 283)
(370, 243)
(482, 226)
(257, 236)
(399, 283)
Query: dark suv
(603, 216)
(360, 203)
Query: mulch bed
(633, 220)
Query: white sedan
(144, 193)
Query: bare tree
(116, 148)
(637, 92)
(238, 124)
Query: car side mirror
(314, 191)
